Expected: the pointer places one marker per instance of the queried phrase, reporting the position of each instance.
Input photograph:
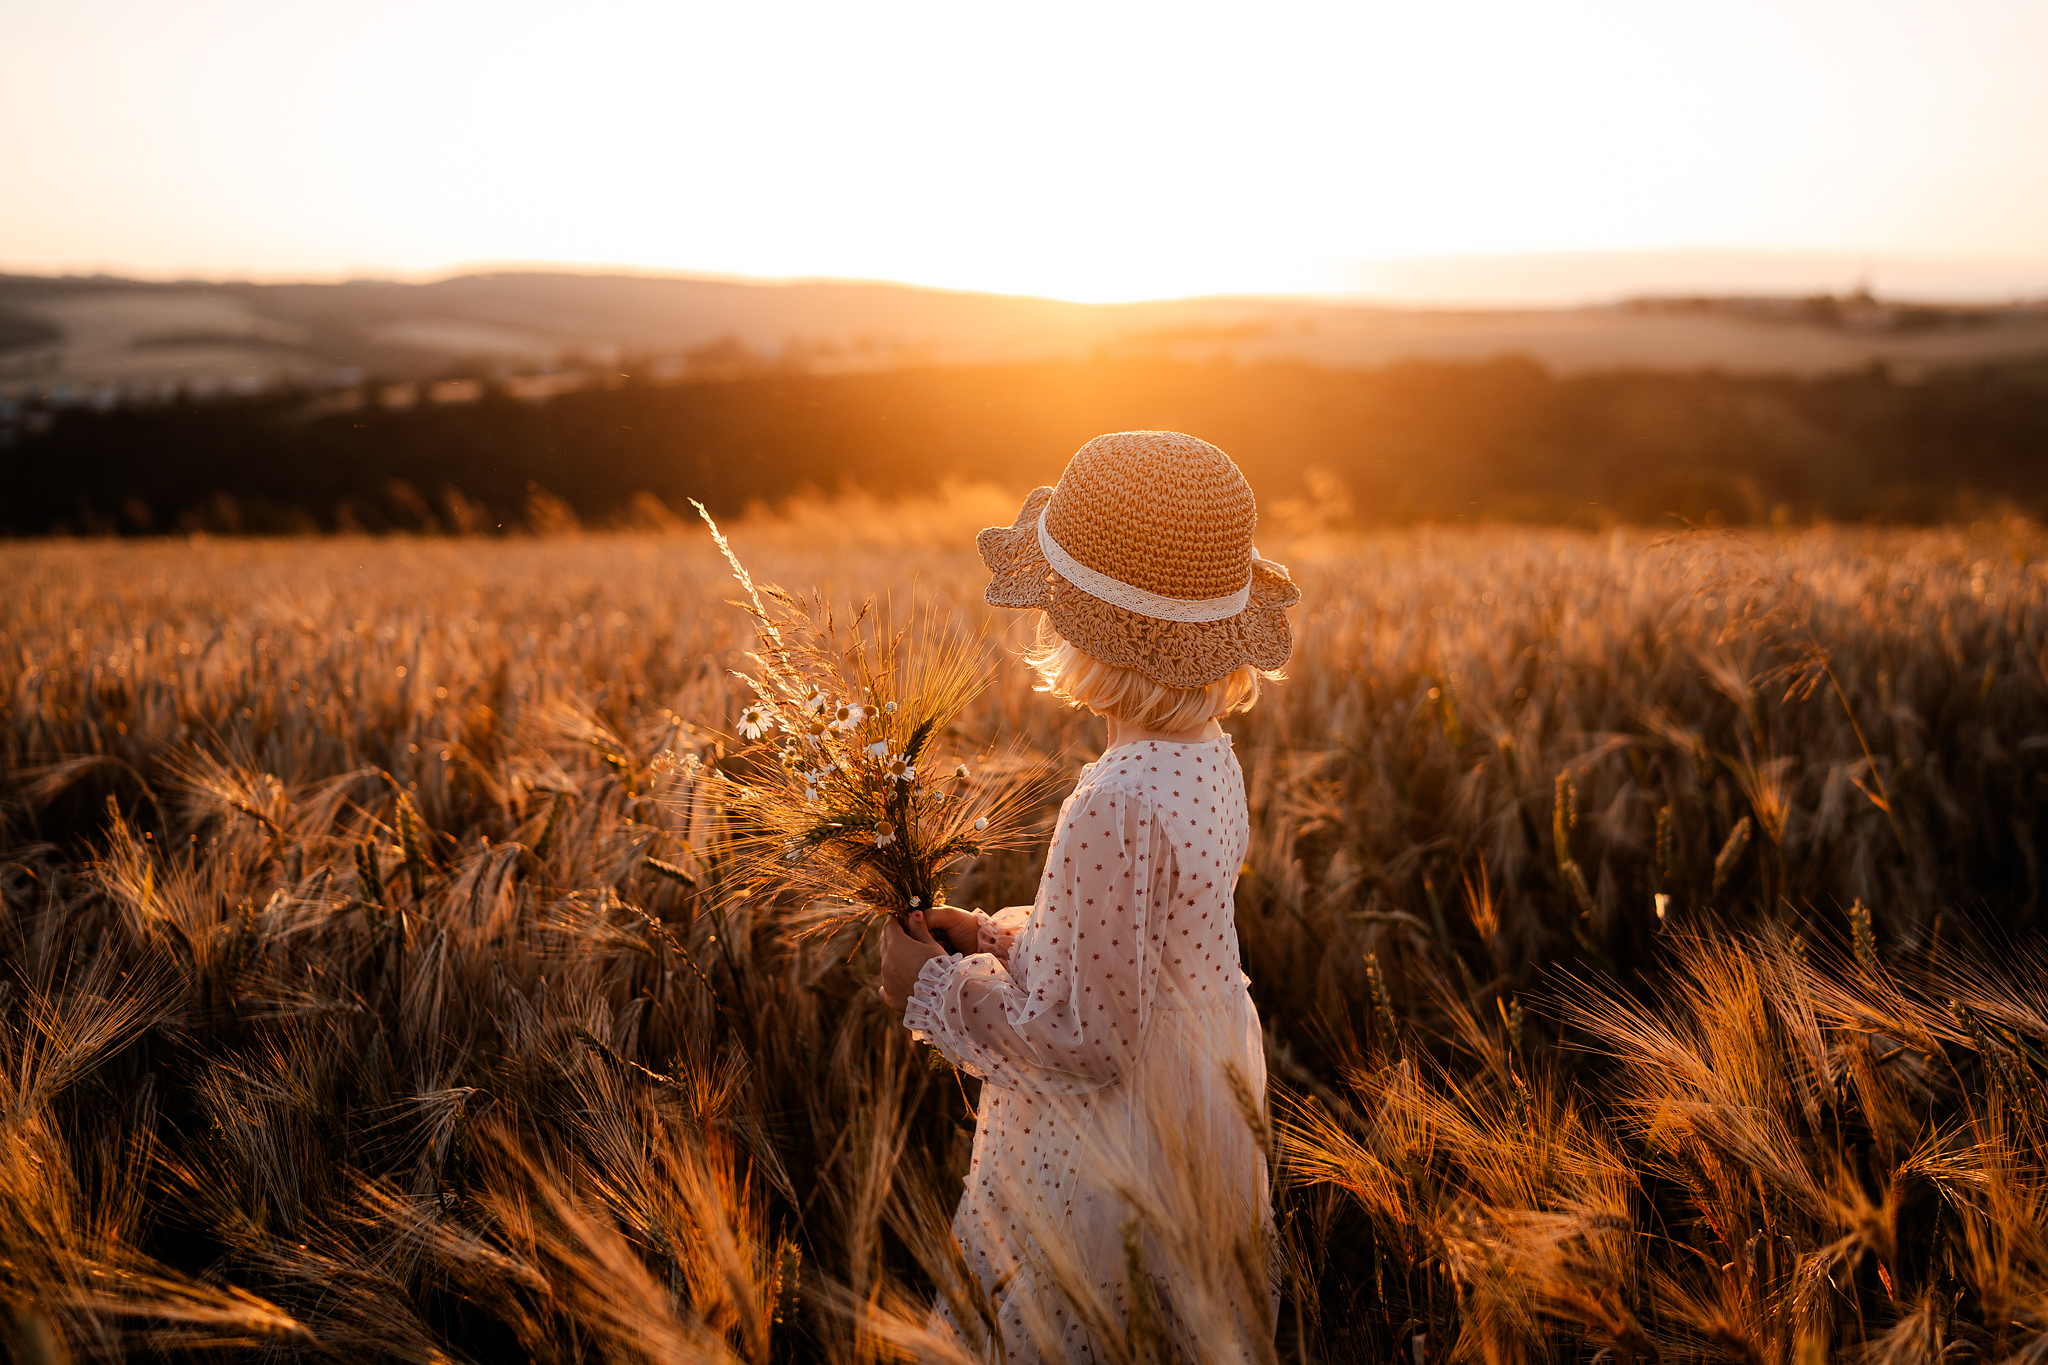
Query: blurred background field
(451, 407)
(1646, 929)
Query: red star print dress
(1119, 1050)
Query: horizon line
(1861, 281)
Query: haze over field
(96, 333)
(313, 195)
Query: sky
(1441, 150)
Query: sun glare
(1078, 151)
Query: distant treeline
(1501, 440)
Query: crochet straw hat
(1142, 557)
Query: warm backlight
(1086, 151)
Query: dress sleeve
(996, 934)
(1069, 1010)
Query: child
(1117, 1183)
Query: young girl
(1118, 1186)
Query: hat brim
(1174, 653)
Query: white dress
(1123, 1072)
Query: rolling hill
(76, 334)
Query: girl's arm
(1068, 1011)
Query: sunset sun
(1085, 152)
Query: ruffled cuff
(997, 934)
(925, 1013)
(993, 938)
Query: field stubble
(1645, 931)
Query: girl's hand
(956, 930)
(903, 957)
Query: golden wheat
(1630, 918)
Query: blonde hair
(1080, 679)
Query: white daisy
(961, 771)
(879, 749)
(754, 721)
(810, 793)
(901, 771)
(848, 716)
(815, 703)
(884, 836)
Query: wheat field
(1646, 930)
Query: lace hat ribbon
(1121, 594)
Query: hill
(71, 336)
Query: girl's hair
(1081, 679)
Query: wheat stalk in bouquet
(845, 809)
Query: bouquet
(847, 807)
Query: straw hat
(1143, 558)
